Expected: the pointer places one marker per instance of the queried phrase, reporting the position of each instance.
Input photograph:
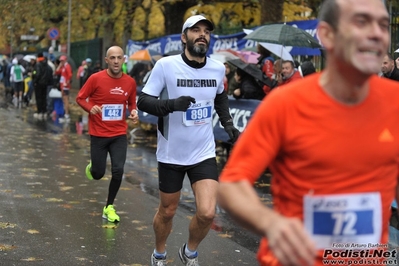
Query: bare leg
(65, 99)
(163, 219)
(205, 192)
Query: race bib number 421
(112, 112)
(344, 218)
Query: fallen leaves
(32, 231)
(32, 259)
(4, 247)
(7, 225)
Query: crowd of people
(243, 85)
(33, 76)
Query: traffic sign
(53, 33)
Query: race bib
(346, 218)
(198, 113)
(112, 112)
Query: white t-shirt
(186, 138)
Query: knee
(167, 213)
(117, 173)
(206, 216)
(97, 175)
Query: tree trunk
(130, 7)
(271, 11)
(174, 15)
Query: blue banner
(235, 41)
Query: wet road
(51, 214)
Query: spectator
(288, 72)
(80, 74)
(389, 69)
(124, 66)
(31, 88)
(138, 72)
(88, 69)
(231, 83)
(306, 68)
(97, 67)
(248, 87)
(7, 83)
(330, 151)
(65, 71)
(265, 61)
(42, 78)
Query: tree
(271, 11)
(117, 21)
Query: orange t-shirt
(316, 145)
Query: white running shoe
(158, 262)
(187, 260)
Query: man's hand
(134, 116)
(289, 242)
(182, 103)
(231, 131)
(95, 109)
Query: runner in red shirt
(105, 96)
(65, 71)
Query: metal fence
(394, 29)
(87, 49)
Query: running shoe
(157, 261)
(88, 172)
(188, 261)
(64, 120)
(109, 213)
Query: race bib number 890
(198, 113)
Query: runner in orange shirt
(331, 141)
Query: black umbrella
(252, 70)
(283, 34)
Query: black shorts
(171, 176)
(65, 92)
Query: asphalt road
(51, 214)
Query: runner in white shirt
(182, 91)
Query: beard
(115, 72)
(197, 50)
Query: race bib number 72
(344, 218)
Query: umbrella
(145, 55)
(29, 57)
(252, 70)
(274, 48)
(278, 50)
(246, 56)
(249, 56)
(283, 34)
(228, 54)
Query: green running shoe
(109, 213)
(88, 172)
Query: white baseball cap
(191, 21)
